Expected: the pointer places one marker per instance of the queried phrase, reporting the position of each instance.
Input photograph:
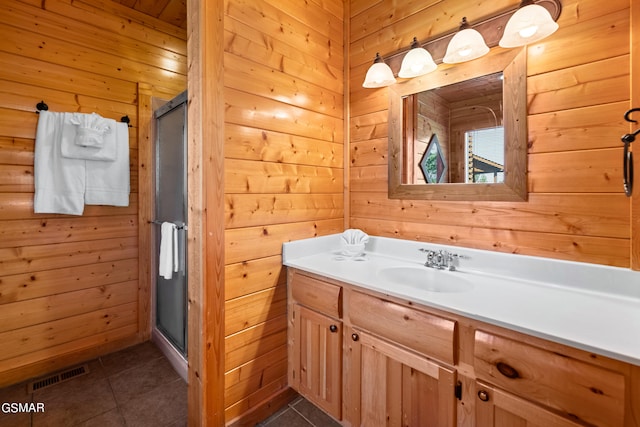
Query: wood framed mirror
(476, 113)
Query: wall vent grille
(57, 378)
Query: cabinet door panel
(319, 354)
(588, 392)
(401, 389)
(498, 408)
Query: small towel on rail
(91, 129)
(168, 260)
(76, 132)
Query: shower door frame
(173, 355)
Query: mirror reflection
(458, 133)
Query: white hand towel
(90, 129)
(176, 263)
(108, 151)
(352, 242)
(167, 263)
(108, 182)
(354, 236)
(59, 181)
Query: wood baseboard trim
(57, 363)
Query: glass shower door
(171, 206)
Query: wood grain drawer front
(577, 389)
(431, 335)
(495, 407)
(318, 295)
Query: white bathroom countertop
(591, 307)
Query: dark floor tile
(15, 420)
(288, 418)
(112, 418)
(315, 415)
(75, 401)
(129, 384)
(15, 394)
(130, 358)
(162, 406)
(274, 416)
(179, 423)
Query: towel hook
(628, 114)
(41, 106)
(627, 159)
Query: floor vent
(58, 378)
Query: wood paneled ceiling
(172, 11)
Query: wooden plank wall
(69, 284)
(284, 131)
(578, 90)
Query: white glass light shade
(416, 62)
(378, 75)
(466, 45)
(529, 24)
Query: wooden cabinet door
(392, 387)
(317, 359)
(495, 407)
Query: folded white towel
(59, 181)
(168, 260)
(72, 133)
(354, 236)
(352, 242)
(108, 182)
(91, 129)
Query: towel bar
(42, 106)
(181, 226)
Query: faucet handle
(430, 256)
(452, 257)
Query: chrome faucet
(440, 260)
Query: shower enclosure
(170, 296)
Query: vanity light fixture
(379, 74)
(467, 44)
(416, 62)
(530, 23)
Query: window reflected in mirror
(433, 164)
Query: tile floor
(133, 387)
(299, 413)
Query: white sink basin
(426, 279)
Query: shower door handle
(182, 250)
